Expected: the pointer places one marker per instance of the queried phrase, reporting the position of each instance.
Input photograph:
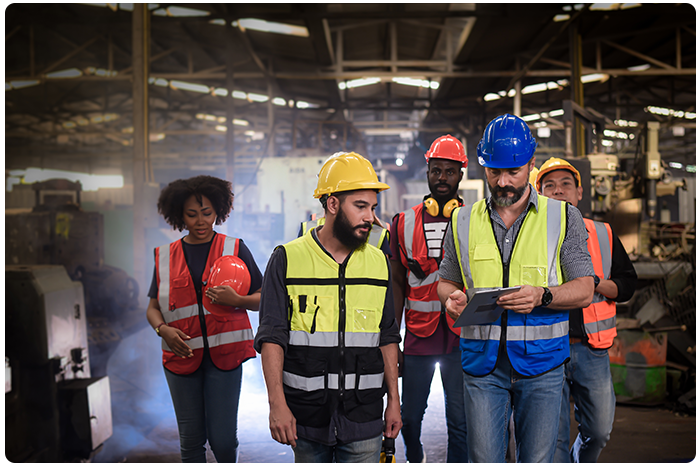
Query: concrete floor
(145, 429)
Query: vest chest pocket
(487, 267)
(535, 276)
(311, 313)
(176, 285)
(365, 320)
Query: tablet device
(482, 308)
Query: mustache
(506, 189)
(365, 225)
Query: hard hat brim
(377, 186)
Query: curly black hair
(172, 199)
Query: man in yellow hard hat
(591, 329)
(327, 335)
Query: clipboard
(481, 307)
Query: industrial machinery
(660, 317)
(66, 314)
(58, 231)
(54, 410)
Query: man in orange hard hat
(591, 329)
(327, 335)
(416, 247)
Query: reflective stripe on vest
(377, 234)
(316, 383)
(218, 339)
(535, 342)
(330, 339)
(229, 339)
(599, 317)
(421, 301)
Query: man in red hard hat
(416, 251)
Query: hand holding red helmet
(228, 281)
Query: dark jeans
(206, 407)
(417, 376)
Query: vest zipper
(341, 328)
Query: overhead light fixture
(675, 165)
(424, 83)
(270, 26)
(491, 97)
(602, 77)
(607, 143)
(190, 87)
(306, 105)
(690, 168)
(531, 117)
(21, 84)
(556, 113)
(559, 18)
(356, 83)
(257, 97)
(669, 112)
(613, 6)
(628, 123)
(646, 66)
(544, 132)
(158, 81)
(69, 73)
(178, 11)
(279, 101)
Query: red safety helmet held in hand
(227, 270)
(447, 147)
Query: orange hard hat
(447, 147)
(227, 270)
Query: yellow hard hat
(533, 175)
(347, 171)
(552, 164)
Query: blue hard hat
(507, 143)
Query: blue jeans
(206, 407)
(418, 371)
(366, 451)
(534, 402)
(589, 380)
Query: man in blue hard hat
(515, 237)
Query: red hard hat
(227, 270)
(447, 147)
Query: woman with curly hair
(202, 351)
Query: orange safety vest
(599, 317)
(230, 338)
(422, 304)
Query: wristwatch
(596, 281)
(546, 297)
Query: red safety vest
(599, 316)
(230, 339)
(422, 304)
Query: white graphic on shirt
(434, 234)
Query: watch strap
(157, 328)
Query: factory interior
(106, 104)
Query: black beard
(344, 231)
(440, 198)
(499, 194)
